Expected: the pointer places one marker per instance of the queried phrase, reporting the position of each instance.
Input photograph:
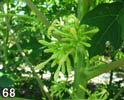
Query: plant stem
(5, 47)
(80, 77)
(38, 13)
(83, 8)
(111, 78)
(104, 68)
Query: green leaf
(5, 82)
(54, 63)
(109, 18)
(68, 66)
(56, 75)
(63, 59)
(42, 65)
(93, 31)
(45, 43)
(63, 68)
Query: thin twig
(38, 13)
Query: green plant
(59, 89)
(97, 95)
(72, 39)
(77, 36)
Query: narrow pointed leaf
(56, 75)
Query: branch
(38, 13)
(83, 8)
(104, 68)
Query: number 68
(8, 92)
